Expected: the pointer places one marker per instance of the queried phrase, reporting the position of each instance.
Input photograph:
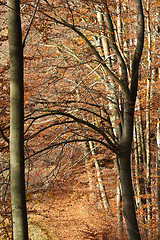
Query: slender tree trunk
(142, 138)
(118, 132)
(88, 169)
(100, 182)
(158, 176)
(148, 148)
(136, 156)
(19, 213)
(139, 173)
(140, 161)
(119, 26)
(119, 210)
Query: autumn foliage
(71, 107)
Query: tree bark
(137, 172)
(158, 176)
(100, 182)
(119, 210)
(148, 142)
(125, 176)
(19, 213)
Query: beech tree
(17, 175)
(128, 83)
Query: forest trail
(70, 215)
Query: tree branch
(113, 146)
(3, 135)
(29, 27)
(70, 141)
(138, 50)
(98, 57)
(114, 45)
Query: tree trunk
(19, 213)
(148, 97)
(137, 172)
(125, 174)
(158, 177)
(119, 210)
(88, 169)
(128, 195)
(100, 182)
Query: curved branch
(70, 141)
(99, 59)
(92, 126)
(43, 129)
(113, 145)
(3, 135)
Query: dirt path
(69, 215)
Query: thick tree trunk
(128, 195)
(125, 174)
(19, 214)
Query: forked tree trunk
(127, 133)
(19, 213)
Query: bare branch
(3, 135)
(99, 59)
(70, 141)
(29, 27)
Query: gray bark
(100, 182)
(119, 210)
(19, 213)
(136, 156)
(111, 106)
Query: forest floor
(72, 213)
